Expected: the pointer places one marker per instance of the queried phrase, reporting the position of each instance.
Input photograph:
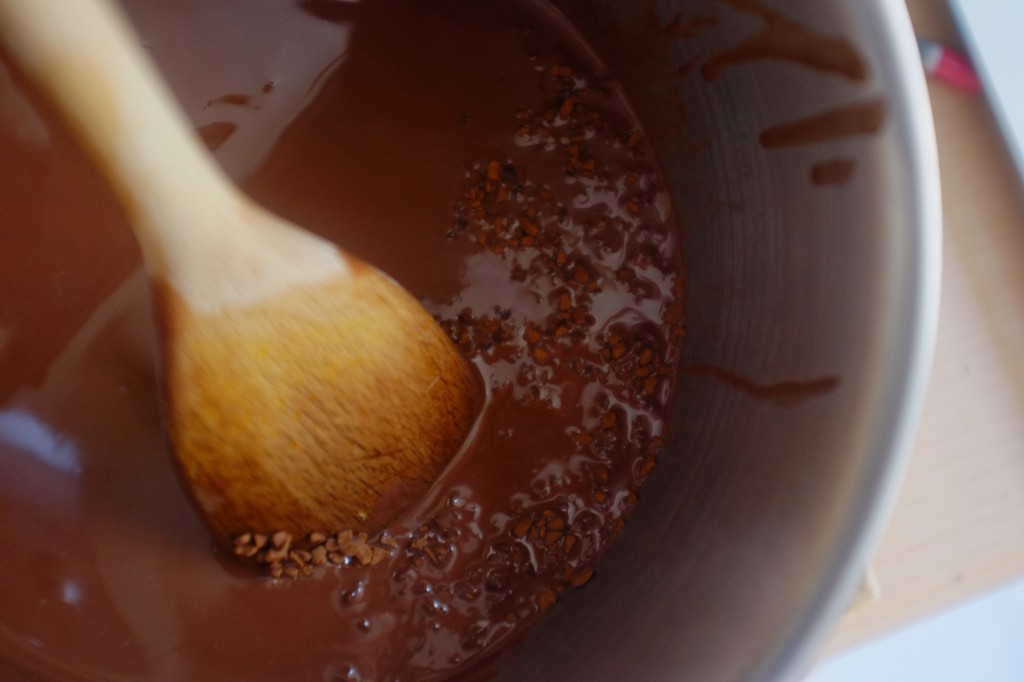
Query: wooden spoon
(304, 390)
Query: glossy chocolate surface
(435, 141)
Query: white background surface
(981, 641)
(993, 32)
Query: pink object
(949, 66)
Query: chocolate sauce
(859, 118)
(480, 155)
(833, 172)
(784, 39)
(782, 393)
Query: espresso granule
(591, 249)
(284, 556)
(521, 221)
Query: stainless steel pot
(811, 318)
(811, 310)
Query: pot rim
(917, 305)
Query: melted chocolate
(833, 172)
(861, 118)
(782, 393)
(783, 39)
(476, 153)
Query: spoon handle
(85, 56)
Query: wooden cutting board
(958, 528)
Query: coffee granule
(590, 249)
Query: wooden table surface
(958, 528)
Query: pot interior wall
(799, 291)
